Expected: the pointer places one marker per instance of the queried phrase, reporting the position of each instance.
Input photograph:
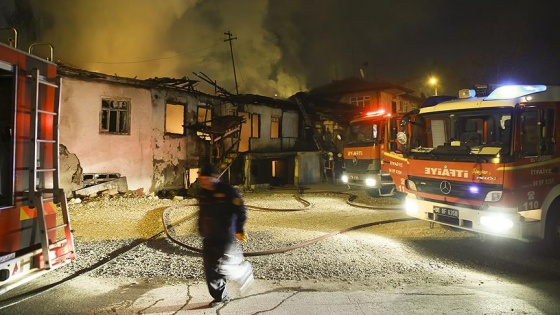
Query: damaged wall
(173, 154)
(128, 154)
(70, 171)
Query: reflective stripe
(26, 213)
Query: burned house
(111, 124)
(156, 133)
(276, 142)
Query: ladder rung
(57, 227)
(63, 255)
(44, 170)
(60, 260)
(42, 111)
(58, 245)
(48, 83)
(46, 140)
(48, 199)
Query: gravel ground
(376, 255)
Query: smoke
(282, 47)
(279, 47)
(171, 38)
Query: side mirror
(402, 138)
(406, 118)
(404, 121)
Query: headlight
(370, 182)
(493, 196)
(496, 222)
(411, 207)
(344, 178)
(410, 185)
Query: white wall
(130, 155)
(264, 142)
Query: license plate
(454, 213)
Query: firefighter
(221, 224)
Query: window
(363, 131)
(245, 132)
(547, 130)
(255, 125)
(7, 126)
(174, 118)
(204, 114)
(115, 116)
(530, 140)
(274, 127)
(360, 101)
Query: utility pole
(229, 39)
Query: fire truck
(489, 164)
(35, 231)
(393, 160)
(367, 139)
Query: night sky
(286, 46)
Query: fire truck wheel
(373, 192)
(552, 232)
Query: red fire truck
(35, 232)
(489, 164)
(367, 139)
(394, 162)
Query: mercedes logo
(445, 187)
(355, 160)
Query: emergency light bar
(466, 93)
(514, 91)
(375, 113)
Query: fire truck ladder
(57, 242)
(309, 124)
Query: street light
(433, 82)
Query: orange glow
(375, 113)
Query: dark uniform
(222, 215)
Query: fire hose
(307, 204)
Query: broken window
(204, 115)
(255, 125)
(174, 118)
(115, 116)
(245, 132)
(274, 127)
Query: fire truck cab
(489, 164)
(35, 231)
(367, 138)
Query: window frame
(170, 125)
(107, 114)
(361, 101)
(255, 130)
(275, 120)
